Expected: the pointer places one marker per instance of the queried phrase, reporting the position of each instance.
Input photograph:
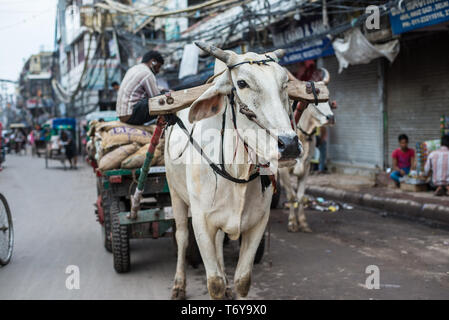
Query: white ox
(218, 205)
(294, 179)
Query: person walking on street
(70, 148)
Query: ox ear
(211, 102)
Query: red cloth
(403, 158)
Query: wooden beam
(297, 90)
(181, 99)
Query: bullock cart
(136, 204)
(154, 220)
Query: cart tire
(106, 227)
(6, 235)
(120, 239)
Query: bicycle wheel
(6, 232)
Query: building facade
(35, 95)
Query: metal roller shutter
(418, 90)
(357, 138)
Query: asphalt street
(55, 227)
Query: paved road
(55, 227)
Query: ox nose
(331, 119)
(289, 147)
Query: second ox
(311, 117)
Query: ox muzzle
(289, 147)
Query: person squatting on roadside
(403, 160)
(138, 85)
(438, 163)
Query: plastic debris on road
(320, 204)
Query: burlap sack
(158, 159)
(92, 126)
(113, 159)
(124, 135)
(106, 126)
(136, 160)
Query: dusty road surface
(55, 227)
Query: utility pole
(325, 16)
(103, 49)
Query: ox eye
(242, 84)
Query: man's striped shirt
(139, 83)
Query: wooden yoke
(178, 100)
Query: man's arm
(150, 86)
(395, 162)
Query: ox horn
(326, 76)
(214, 51)
(279, 53)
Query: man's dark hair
(402, 137)
(445, 140)
(153, 55)
(115, 83)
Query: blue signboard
(312, 49)
(418, 14)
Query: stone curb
(403, 207)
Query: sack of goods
(116, 145)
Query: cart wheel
(120, 238)
(193, 255)
(6, 232)
(106, 226)
(260, 250)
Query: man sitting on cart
(137, 87)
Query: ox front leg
(288, 182)
(219, 250)
(303, 225)
(248, 247)
(180, 212)
(206, 237)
